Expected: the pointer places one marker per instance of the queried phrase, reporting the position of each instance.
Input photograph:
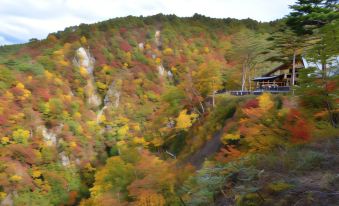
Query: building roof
(266, 78)
(286, 65)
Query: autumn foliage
(118, 124)
(298, 127)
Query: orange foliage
(252, 103)
(297, 126)
(331, 86)
(227, 154)
(150, 199)
(156, 176)
(52, 38)
(72, 197)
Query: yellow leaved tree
(22, 92)
(83, 40)
(21, 136)
(184, 120)
(265, 101)
(150, 199)
(168, 51)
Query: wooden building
(280, 78)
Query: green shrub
(6, 78)
(25, 64)
(309, 160)
(35, 197)
(279, 186)
(251, 199)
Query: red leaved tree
(298, 127)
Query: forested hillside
(125, 112)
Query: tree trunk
(330, 114)
(213, 99)
(324, 68)
(249, 80)
(213, 93)
(293, 68)
(327, 101)
(202, 107)
(243, 77)
(170, 154)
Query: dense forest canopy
(126, 112)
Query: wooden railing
(273, 90)
(268, 83)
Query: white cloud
(3, 41)
(25, 19)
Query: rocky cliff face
(84, 59)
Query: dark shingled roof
(266, 78)
(286, 65)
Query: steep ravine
(207, 150)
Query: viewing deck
(258, 91)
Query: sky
(21, 20)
